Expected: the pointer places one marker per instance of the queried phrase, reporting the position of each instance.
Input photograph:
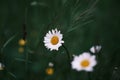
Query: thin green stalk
(27, 58)
(10, 74)
(69, 61)
(68, 54)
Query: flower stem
(26, 63)
(68, 54)
(25, 36)
(69, 62)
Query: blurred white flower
(33, 3)
(53, 40)
(95, 49)
(50, 64)
(84, 62)
(1, 66)
(36, 3)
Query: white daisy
(95, 49)
(84, 62)
(53, 40)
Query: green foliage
(83, 23)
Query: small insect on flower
(95, 49)
(49, 71)
(53, 40)
(85, 62)
(21, 42)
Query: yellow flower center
(84, 63)
(49, 71)
(22, 42)
(54, 40)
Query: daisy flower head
(49, 71)
(22, 42)
(95, 49)
(85, 62)
(53, 40)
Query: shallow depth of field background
(83, 23)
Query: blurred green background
(83, 23)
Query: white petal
(98, 48)
(75, 65)
(93, 61)
(92, 49)
(88, 69)
(53, 32)
(86, 55)
(49, 32)
(95, 49)
(56, 30)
